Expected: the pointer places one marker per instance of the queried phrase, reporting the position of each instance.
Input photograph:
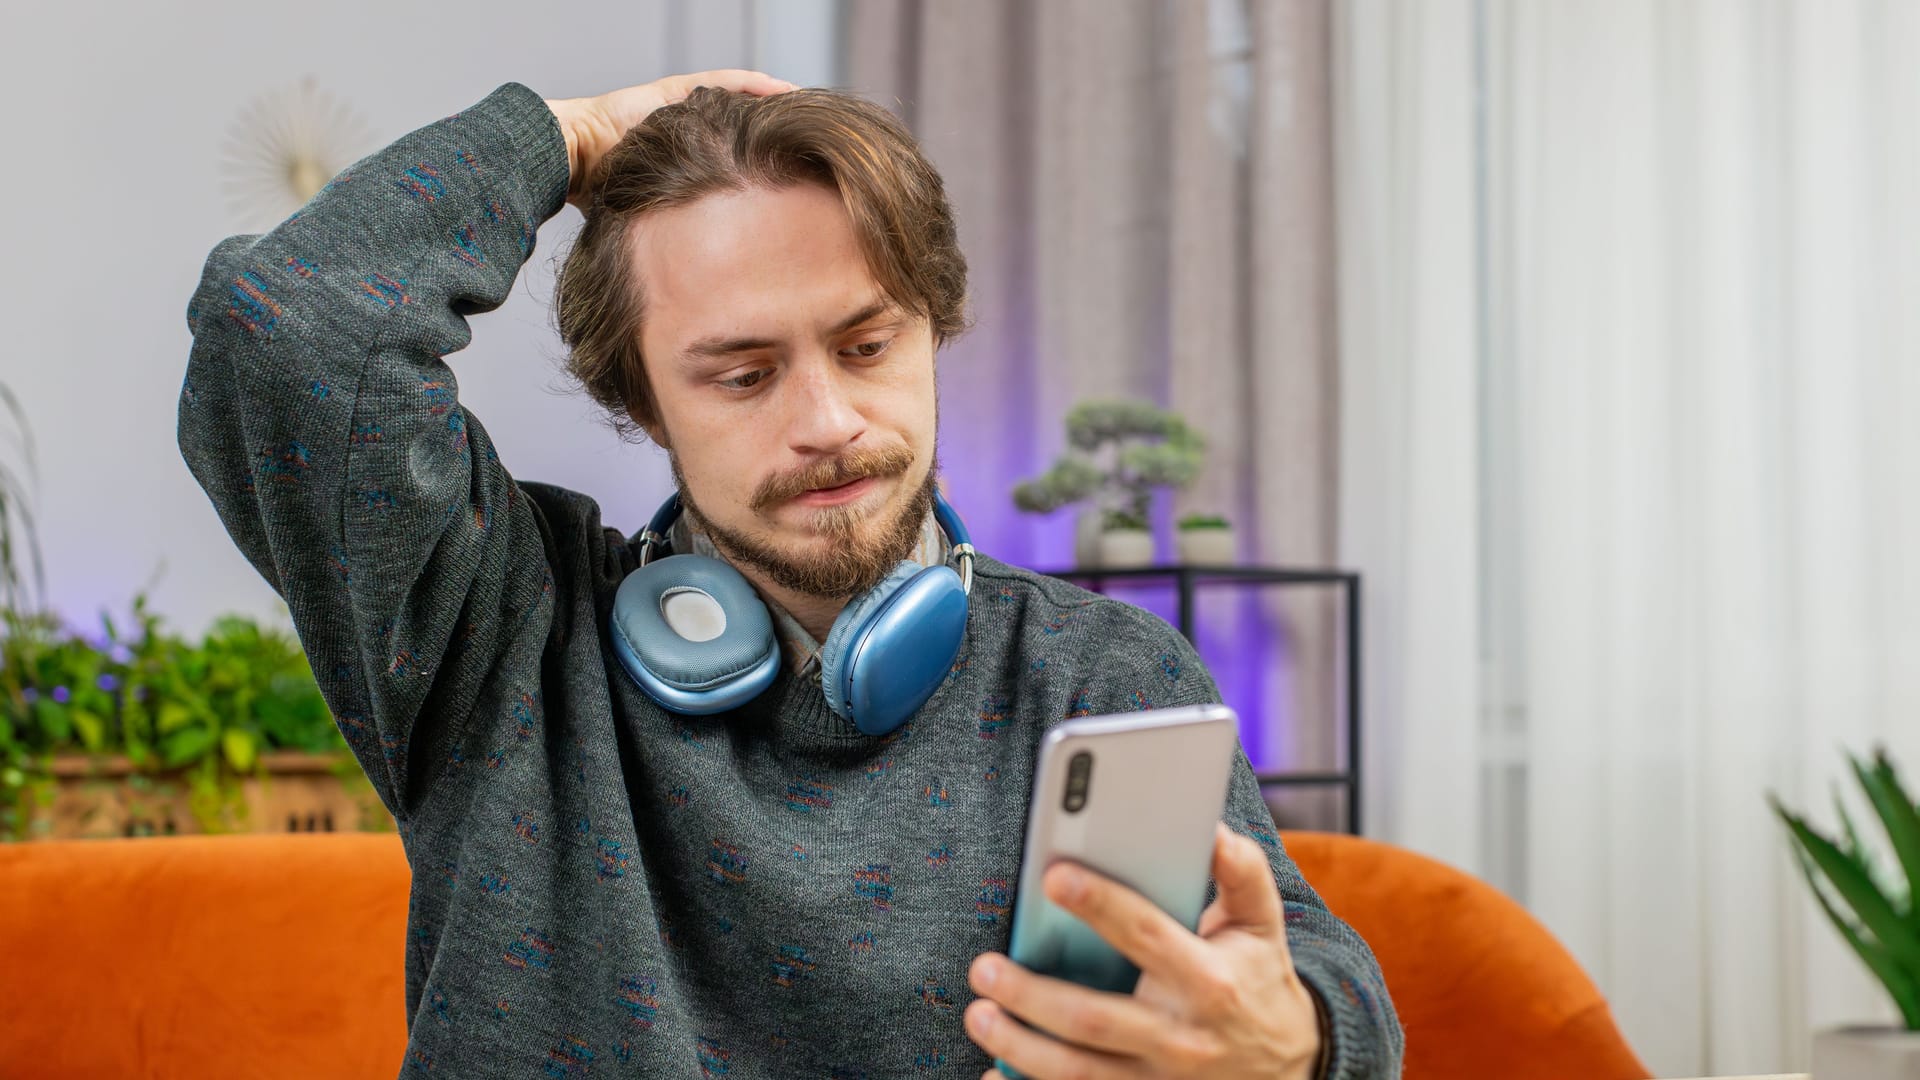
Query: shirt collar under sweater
(801, 650)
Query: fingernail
(987, 972)
(980, 1020)
(1073, 884)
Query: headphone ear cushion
(890, 650)
(709, 675)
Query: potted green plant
(1876, 909)
(1118, 454)
(1206, 540)
(152, 720)
(118, 729)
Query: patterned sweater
(600, 886)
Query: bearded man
(668, 828)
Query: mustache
(841, 469)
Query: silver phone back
(1157, 785)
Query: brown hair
(718, 140)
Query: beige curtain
(1145, 196)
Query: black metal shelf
(1187, 579)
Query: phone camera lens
(1079, 772)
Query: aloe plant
(1882, 923)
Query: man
(599, 882)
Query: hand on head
(593, 125)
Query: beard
(865, 546)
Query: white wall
(114, 127)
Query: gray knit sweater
(599, 886)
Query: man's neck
(814, 613)
(797, 611)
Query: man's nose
(825, 415)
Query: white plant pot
(1124, 548)
(1866, 1053)
(1086, 538)
(1207, 547)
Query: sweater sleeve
(320, 418)
(1157, 668)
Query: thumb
(1249, 897)
(1213, 920)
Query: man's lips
(834, 496)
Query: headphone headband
(655, 534)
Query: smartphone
(1134, 796)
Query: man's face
(795, 401)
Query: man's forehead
(745, 263)
(753, 235)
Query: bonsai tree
(1118, 453)
(1882, 920)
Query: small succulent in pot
(1204, 521)
(1206, 540)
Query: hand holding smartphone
(1136, 799)
(1134, 796)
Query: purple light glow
(989, 442)
(1248, 662)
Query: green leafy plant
(18, 540)
(201, 712)
(1118, 453)
(194, 712)
(1883, 925)
(1195, 522)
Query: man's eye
(745, 382)
(867, 350)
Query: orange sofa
(242, 956)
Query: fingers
(1130, 923)
(1032, 1053)
(1249, 897)
(751, 82)
(1114, 1023)
(1213, 920)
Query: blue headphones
(695, 636)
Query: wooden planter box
(105, 797)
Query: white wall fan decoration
(284, 147)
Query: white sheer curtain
(1630, 325)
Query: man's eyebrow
(709, 347)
